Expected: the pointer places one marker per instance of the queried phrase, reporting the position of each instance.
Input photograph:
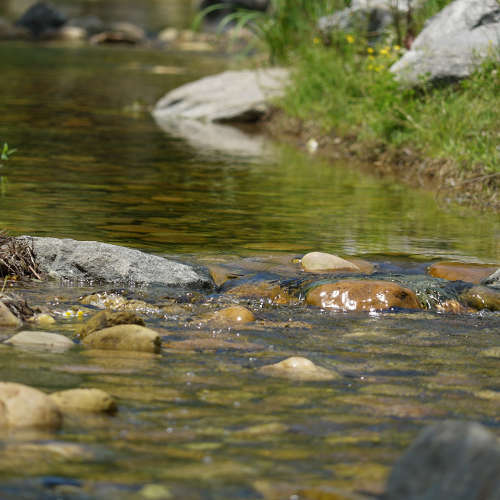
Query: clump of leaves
(17, 258)
(6, 152)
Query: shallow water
(199, 421)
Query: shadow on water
(200, 422)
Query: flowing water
(199, 421)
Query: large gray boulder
(449, 460)
(493, 280)
(453, 43)
(95, 262)
(232, 96)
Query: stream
(200, 421)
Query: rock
(106, 319)
(492, 352)
(125, 338)
(233, 314)
(41, 19)
(23, 406)
(95, 262)
(71, 34)
(85, 400)
(452, 460)
(482, 297)
(453, 43)
(121, 32)
(43, 319)
(493, 280)
(269, 290)
(362, 295)
(7, 319)
(17, 305)
(453, 271)
(41, 340)
(317, 262)
(232, 96)
(298, 368)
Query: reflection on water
(90, 169)
(152, 15)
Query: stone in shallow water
(315, 262)
(482, 297)
(42, 340)
(449, 460)
(84, 400)
(23, 406)
(362, 295)
(298, 368)
(493, 280)
(8, 319)
(233, 314)
(106, 319)
(454, 271)
(124, 338)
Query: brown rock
(23, 406)
(454, 271)
(362, 295)
(53, 342)
(124, 338)
(482, 297)
(106, 319)
(84, 400)
(264, 290)
(233, 314)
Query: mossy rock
(107, 319)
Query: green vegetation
(6, 152)
(342, 84)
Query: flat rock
(53, 342)
(298, 368)
(94, 262)
(453, 43)
(22, 406)
(455, 460)
(232, 96)
(124, 338)
(324, 262)
(84, 400)
(454, 271)
(362, 295)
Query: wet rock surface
(124, 338)
(41, 340)
(362, 295)
(453, 271)
(84, 400)
(459, 460)
(298, 368)
(22, 406)
(106, 319)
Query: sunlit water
(198, 423)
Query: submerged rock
(362, 295)
(125, 338)
(7, 319)
(316, 262)
(41, 340)
(22, 406)
(95, 262)
(298, 368)
(232, 96)
(482, 297)
(453, 271)
(106, 319)
(453, 43)
(84, 400)
(449, 460)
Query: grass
(342, 83)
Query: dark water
(198, 423)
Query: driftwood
(17, 258)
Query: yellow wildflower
(350, 39)
(397, 47)
(316, 40)
(370, 50)
(384, 51)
